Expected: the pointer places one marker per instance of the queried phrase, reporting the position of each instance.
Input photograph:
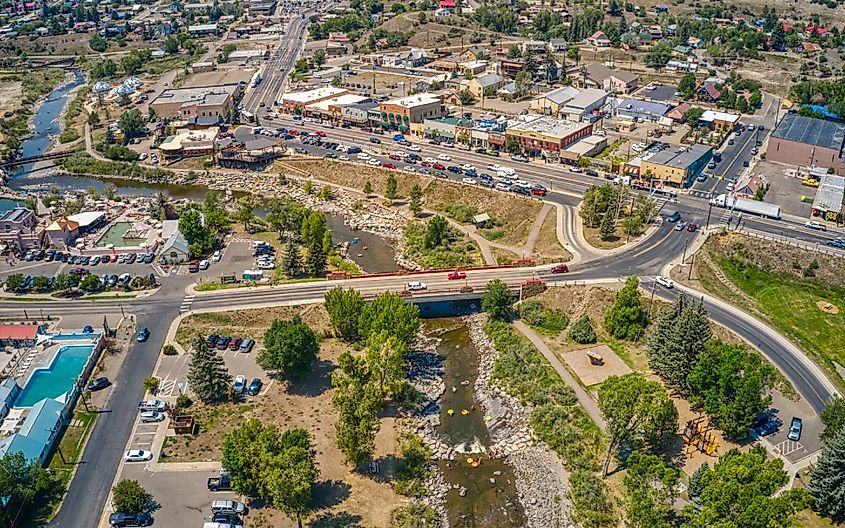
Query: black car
(375, 140)
(415, 157)
(481, 150)
(130, 519)
(99, 384)
(212, 340)
(455, 169)
(674, 217)
(226, 518)
(591, 172)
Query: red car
(438, 166)
(539, 190)
(387, 165)
(320, 133)
(235, 343)
(293, 132)
(457, 275)
(559, 268)
(113, 258)
(194, 266)
(394, 157)
(425, 164)
(691, 227)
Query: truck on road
(747, 206)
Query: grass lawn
(790, 305)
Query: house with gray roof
(485, 84)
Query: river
(484, 495)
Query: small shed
(481, 220)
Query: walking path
(584, 398)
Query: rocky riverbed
(541, 480)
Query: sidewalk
(584, 398)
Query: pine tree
(582, 331)
(827, 484)
(678, 341)
(390, 189)
(415, 200)
(606, 227)
(291, 261)
(327, 241)
(208, 376)
(696, 481)
(316, 262)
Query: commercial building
(189, 142)
(679, 167)
(62, 233)
(719, 121)
(411, 109)
(88, 221)
(585, 105)
(20, 231)
(827, 204)
(551, 103)
(261, 7)
(33, 430)
(545, 136)
(203, 30)
(359, 114)
(297, 101)
(586, 147)
(203, 102)
(637, 110)
(484, 85)
(332, 108)
(800, 140)
(249, 54)
(19, 336)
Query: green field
(790, 306)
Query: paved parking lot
(142, 437)
(183, 496)
(812, 427)
(49, 269)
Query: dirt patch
(11, 96)
(307, 404)
(591, 235)
(548, 248)
(515, 215)
(248, 323)
(827, 307)
(590, 374)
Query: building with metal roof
(806, 141)
(828, 201)
(635, 109)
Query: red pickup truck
(456, 275)
(559, 268)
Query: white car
(363, 156)
(502, 186)
(416, 286)
(468, 181)
(142, 156)
(444, 157)
(495, 168)
(204, 265)
(430, 160)
(414, 148)
(137, 455)
(216, 256)
(151, 416)
(664, 281)
(575, 169)
(818, 226)
(374, 162)
(408, 168)
(343, 157)
(152, 405)
(467, 166)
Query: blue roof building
(39, 431)
(641, 110)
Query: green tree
(316, 261)
(98, 44)
(208, 376)
(291, 264)
(626, 318)
(738, 493)
(827, 479)
(290, 347)
(41, 284)
(497, 300)
(390, 189)
(687, 85)
(678, 339)
(588, 494)
(14, 282)
(693, 115)
(414, 515)
(130, 496)
(466, 97)
(650, 491)
(778, 38)
(368, 188)
(582, 331)
(385, 356)
(511, 144)
(131, 123)
(415, 199)
(358, 403)
(573, 53)
(21, 482)
(731, 384)
(132, 63)
(328, 243)
(607, 226)
(436, 232)
(195, 231)
(833, 417)
(171, 45)
(696, 482)
(313, 228)
(389, 312)
(344, 307)
(320, 57)
(414, 465)
(246, 206)
(66, 281)
(638, 413)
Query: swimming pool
(58, 379)
(116, 236)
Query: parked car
(211, 341)
(664, 281)
(223, 342)
(795, 428)
(143, 335)
(203, 265)
(235, 343)
(457, 275)
(254, 387)
(539, 190)
(240, 384)
(560, 268)
(99, 384)
(87, 329)
(121, 519)
(137, 455)
(151, 416)
(220, 483)
(152, 405)
(216, 256)
(591, 172)
(194, 266)
(246, 345)
(416, 286)
(228, 506)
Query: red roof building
(447, 3)
(19, 333)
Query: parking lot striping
(789, 446)
(186, 303)
(267, 388)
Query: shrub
(588, 495)
(582, 331)
(413, 466)
(169, 350)
(461, 213)
(151, 384)
(183, 401)
(546, 321)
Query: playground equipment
(698, 435)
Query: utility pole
(709, 210)
(684, 258)
(651, 301)
(689, 276)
